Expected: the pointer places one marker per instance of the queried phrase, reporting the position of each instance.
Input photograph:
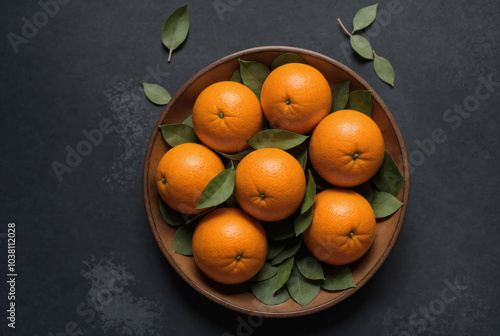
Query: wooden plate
(180, 108)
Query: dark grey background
(86, 258)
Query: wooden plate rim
(402, 211)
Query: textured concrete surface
(86, 258)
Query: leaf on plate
(337, 278)
(361, 46)
(388, 178)
(291, 247)
(171, 217)
(302, 222)
(253, 75)
(276, 138)
(364, 17)
(300, 153)
(340, 95)
(384, 204)
(266, 271)
(177, 134)
(237, 156)
(274, 248)
(188, 121)
(301, 289)
(236, 77)
(283, 273)
(195, 218)
(384, 69)
(156, 94)
(232, 202)
(361, 101)
(365, 190)
(286, 58)
(310, 194)
(308, 265)
(183, 240)
(218, 190)
(264, 292)
(175, 29)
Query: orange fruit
(270, 184)
(346, 148)
(229, 245)
(342, 227)
(225, 115)
(295, 97)
(182, 174)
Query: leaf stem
(169, 55)
(374, 53)
(346, 31)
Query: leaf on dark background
(175, 29)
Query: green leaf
(310, 194)
(302, 222)
(308, 265)
(237, 156)
(218, 190)
(337, 278)
(384, 204)
(199, 216)
(388, 178)
(364, 190)
(267, 271)
(286, 58)
(232, 202)
(274, 248)
(264, 292)
(300, 153)
(276, 138)
(361, 101)
(253, 75)
(175, 29)
(361, 46)
(171, 217)
(236, 77)
(156, 94)
(364, 17)
(340, 95)
(283, 273)
(177, 134)
(291, 247)
(384, 69)
(183, 240)
(188, 121)
(302, 290)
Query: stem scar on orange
(342, 227)
(270, 184)
(295, 97)
(229, 245)
(346, 148)
(225, 115)
(182, 174)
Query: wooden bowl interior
(235, 297)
